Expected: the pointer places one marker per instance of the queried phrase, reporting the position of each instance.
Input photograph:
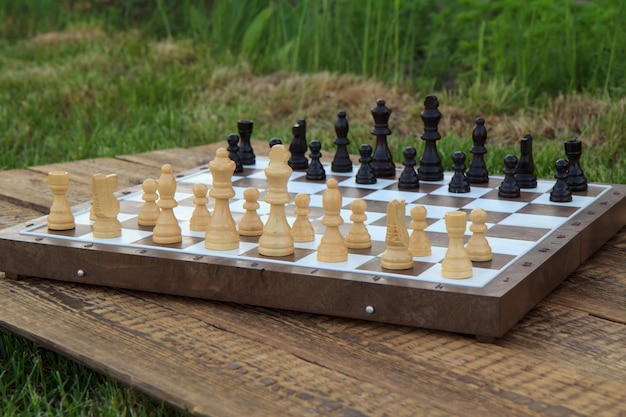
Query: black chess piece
(561, 192)
(459, 183)
(576, 177)
(315, 170)
(509, 187)
(382, 162)
(477, 172)
(408, 178)
(341, 161)
(430, 168)
(275, 141)
(525, 173)
(246, 153)
(233, 149)
(365, 174)
(298, 147)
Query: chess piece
(341, 161)
(358, 237)
(250, 224)
(233, 152)
(459, 183)
(477, 247)
(276, 239)
(246, 153)
(315, 171)
(149, 212)
(456, 264)
(298, 147)
(332, 247)
(302, 230)
(200, 218)
(167, 231)
(575, 176)
(60, 217)
(561, 192)
(508, 187)
(105, 206)
(477, 172)
(275, 141)
(382, 162)
(525, 172)
(419, 245)
(409, 179)
(221, 233)
(430, 168)
(397, 255)
(365, 174)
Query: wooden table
(566, 357)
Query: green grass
(35, 381)
(110, 78)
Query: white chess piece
(332, 247)
(221, 233)
(276, 239)
(456, 264)
(397, 254)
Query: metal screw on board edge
(80, 273)
(369, 309)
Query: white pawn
(477, 247)
(251, 224)
(456, 264)
(302, 230)
(149, 212)
(397, 255)
(105, 206)
(332, 247)
(201, 216)
(358, 237)
(419, 245)
(61, 217)
(167, 231)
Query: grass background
(82, 79)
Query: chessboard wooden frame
(487, 312)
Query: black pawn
(561, 192)
(408, 178)
(298, 147)
(430, 168)
(576, 177)
(509, 187)
(525, 173)
(233, 149)
(246, 153)
(459, 183)
(365, 174)
(275, 141)
(382, 162)
(341, 161)
(477, 172)
(315, 170)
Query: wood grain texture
(567, 357)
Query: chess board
(536, 244)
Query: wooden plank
(572, 338)
(11, 213)
(179, 158)
(184, 361)
(29, 189)
(424, 365)
(129, 174)
(598, 286)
